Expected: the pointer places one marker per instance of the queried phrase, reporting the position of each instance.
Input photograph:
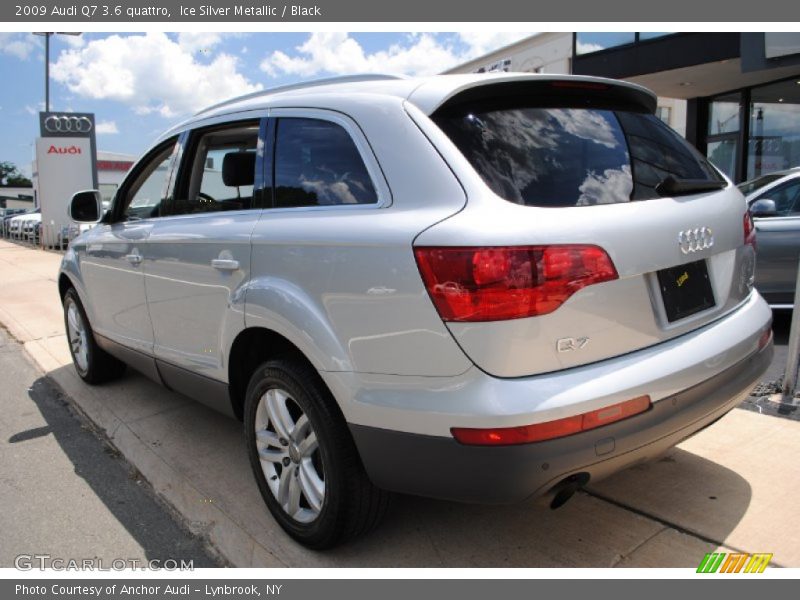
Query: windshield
(573, 156)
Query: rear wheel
(93, 364)
(304, 460)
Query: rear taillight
(525, 434)
(749, 230)
(508, 282)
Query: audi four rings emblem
(694, 240)
(67, 124)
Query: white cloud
(151, 73)
(613, 185)
(73, 41)
(21, 45)
(338, 53)
(481, 42)
(198, 41)
(106, 127)
(585, 48)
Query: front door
(198, 255)
(113, 265)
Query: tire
(328, 498)
(93, 364)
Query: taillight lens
(540, 432)
(508, 282)
(749, 230)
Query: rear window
(572, 156)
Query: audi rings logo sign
(695, 240)
(67, 124)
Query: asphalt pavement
(66, 492)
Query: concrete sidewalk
(732, 487)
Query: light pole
(46, 35)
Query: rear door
(198, 256)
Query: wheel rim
(290, 458)
(76, 333)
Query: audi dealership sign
(60, 124)
(65, 163)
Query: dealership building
(736, 96)
(111, 170)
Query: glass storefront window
(724, 114)
(774, 142)
(595, 41)
(723, 154)
(651, 35)
(723, 133)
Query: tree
(11, 177)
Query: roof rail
(307, 84)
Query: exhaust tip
(566, 488)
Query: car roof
(426, 93)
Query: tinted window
(222, 166)
(786, 197)
(144, 196)
(318, 164)
(572, 156)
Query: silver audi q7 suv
(482, 288)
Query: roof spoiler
(541, 91)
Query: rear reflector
(539, 432)
(765, 338)
(497, 283)
(749, 230)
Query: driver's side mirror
(763, 208)
(86, 207)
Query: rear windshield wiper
(671, 186)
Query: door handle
(134, 259)
(224, 264)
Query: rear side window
(318, 164)
(572, 156)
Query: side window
(786, 197)
(143, 198)
(318, 164)
(221, 169)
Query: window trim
(116, 213)
(189, 142)
(363, 147)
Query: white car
(16, 225)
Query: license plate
(686, 290)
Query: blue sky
(138, 84)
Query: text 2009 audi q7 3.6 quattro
(483, 288)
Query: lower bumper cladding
(441, 467)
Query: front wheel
(93, 364)
(304, 460)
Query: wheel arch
(252, 347)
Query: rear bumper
(440, 467)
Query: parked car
(16, 223)
(774, 201)
(482, 288)
(5, 217)
(31, 228)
